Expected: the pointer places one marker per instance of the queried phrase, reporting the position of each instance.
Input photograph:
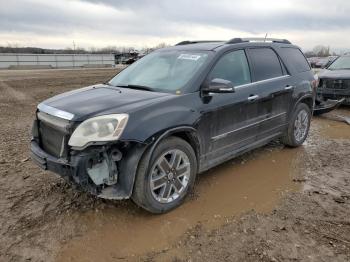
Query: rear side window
(234, 67)
(265, 63)
(296, 59)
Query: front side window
(342, 63)
(265, 63)
(166, 71)
(233, 67)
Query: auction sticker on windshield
(189, 57)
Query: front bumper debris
(48, 162)
(323, 107)
(334, 94)
(99, 171)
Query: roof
(208, 45)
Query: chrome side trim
(55, 112)
(243, 127)
(262, 81)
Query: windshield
(167, 71)
(342, 62)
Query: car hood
(335, 74)
(80, 104)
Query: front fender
(158, 118)
(157, 138)
(127, 173)
(129, 164)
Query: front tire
(298, 127)
(163, 182)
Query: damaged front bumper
(105, 171)
(323, 107)
(334, 94)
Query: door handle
(253, 97)
(288, 87)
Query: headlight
(97, 129)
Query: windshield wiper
(139, 87)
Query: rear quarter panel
(301, 81)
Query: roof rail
(197, 42)
(258, 39)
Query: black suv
(177, 112)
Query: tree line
(319, 50)
(14, 48)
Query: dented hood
(95, 100)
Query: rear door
(274, 90)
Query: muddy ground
(273, 204)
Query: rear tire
(164, 179)
(298, 127)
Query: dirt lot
(273, 204)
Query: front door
(230, 119)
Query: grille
(52, 140)
(336, 84)
(53, 133)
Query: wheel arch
(182, 137)
(187, 133)
(288, 137)
(306, 99)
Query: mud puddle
(235, 187)
(332, 127)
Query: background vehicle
(312, 61)
(126, 58)
(321, 62)
(334, 81)
(175, 113)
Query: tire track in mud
(11, 94)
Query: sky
(146, 23)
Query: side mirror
(219, 85)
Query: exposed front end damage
(106, 170)
(334, 84)
(322, 107)
(335, 89)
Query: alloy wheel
(170, 176)
(301, 125)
